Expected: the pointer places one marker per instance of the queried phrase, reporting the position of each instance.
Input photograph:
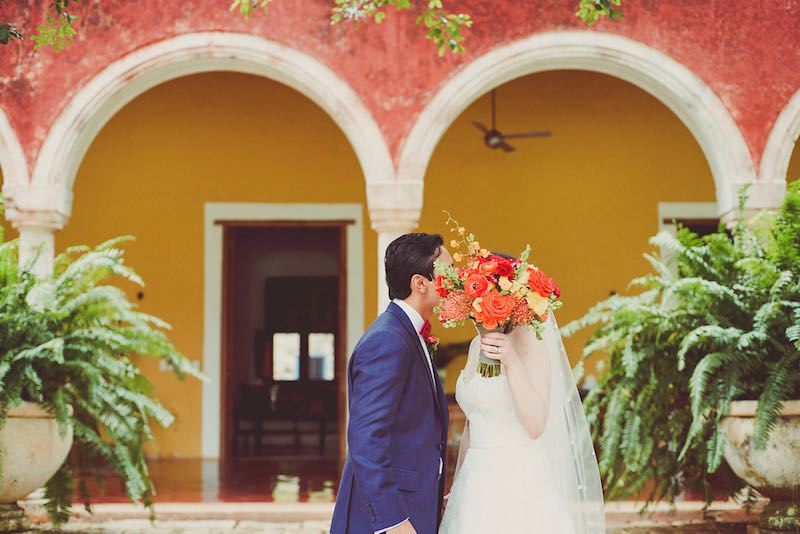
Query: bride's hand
(499, 347)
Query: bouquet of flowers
(497, 293)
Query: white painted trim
(212, 296)
(781, 142)
(12, 161)
(684, 210)
(672, 83)
(97, 101)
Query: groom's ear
(419, 284)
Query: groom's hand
(403, 528)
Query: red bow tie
(425, 331)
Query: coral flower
(476, 285)
(454, 307)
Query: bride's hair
(502, 255)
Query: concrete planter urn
(31, 451)
(775, 471)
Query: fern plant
(70, 342)
(718, 320)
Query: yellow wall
(219, 137)
(586, 199)
(793, 173)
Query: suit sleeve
(378, 373)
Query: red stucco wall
(747, 52)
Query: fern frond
(706, 337)
(778, 388)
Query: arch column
(760, 196)
(778, 152)
(37, 230)
(30, 210)
(394, 210)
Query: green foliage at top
(71, 342)
(57, 30)
(442, 27)
(590, 11)
(718, 320)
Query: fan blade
(481, 127)
(543, 133)
(505, 146)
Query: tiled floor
(275, 479)
(310, 518)
(198, 527)
(291, 495)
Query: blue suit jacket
(396, 434)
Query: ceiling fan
(494, 138)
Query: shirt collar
(416, 319)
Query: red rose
(440, 286)
(476, 285)
(505, 268)
(541, 283)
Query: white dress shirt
(416, 321)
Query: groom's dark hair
(408, 255)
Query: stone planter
(775, 471)
(31, 451)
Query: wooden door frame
(252, 214)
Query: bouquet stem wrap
(489, 367)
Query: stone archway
(672, 83)
(44, 204)
(12, 158)
(137, 72)
(780, 144)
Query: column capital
(760, 196)
(46, 219)
(36, 206)
(394, 207)
(394, 221)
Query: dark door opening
(283, 346)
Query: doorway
(283, 343)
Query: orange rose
(489, 323)
(476, 285)
(488, 268)
(541, 283)
(496, 307)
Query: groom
(393, 476)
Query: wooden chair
(248, 417)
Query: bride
(526, 462)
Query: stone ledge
(314, 518)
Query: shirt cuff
(393, 526)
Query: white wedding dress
(508, 482)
